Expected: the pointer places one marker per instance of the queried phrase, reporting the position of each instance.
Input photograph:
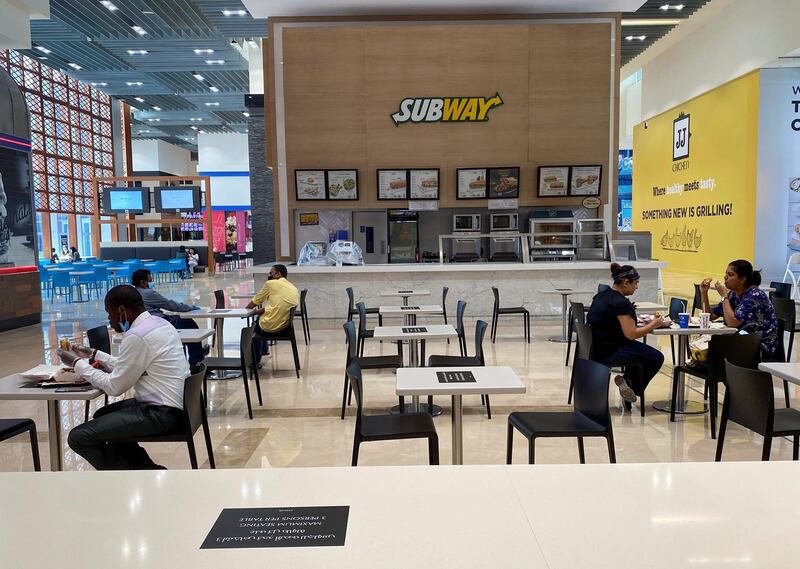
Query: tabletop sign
(411, 330)
(247, 528)
(404, 291)
(456, 377)
(409, 308)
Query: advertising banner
(16, 217)
(694, 178)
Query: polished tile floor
(299, 424)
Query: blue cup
(683, 319)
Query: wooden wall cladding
(341, 84)
(21, 295)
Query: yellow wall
(698, 231)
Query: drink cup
(64, 344)
(705, 319)
(683, 319)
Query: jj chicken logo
(680, 137)
(447, 109)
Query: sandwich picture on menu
(392, 184)
(471, 183)
(424, 184)
(553, 181)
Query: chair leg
(37, 465)
(796, 447)
(462, 344)
(642, 405)
(344, 393)
(531, 450)
(674, 396)
(723, 424)
(356, 444)
(786, 393)
(433, 450)
(612, 453)
(258, 383)
(789, 349)
(207, 436)
(713, 391)
(247, 393)
(569, 338)
(488, 408)
(307, 326)
(495, 317)
(581, 452)
(86, 412)
(296, 358)
(767, 447)
(672, 348)
(192, 453)
(509, 443)
(205, 389)
(528, 327)
(571, 389)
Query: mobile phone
(71, 389)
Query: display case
(592, 242)
(552, 239)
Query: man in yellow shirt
(278, 296)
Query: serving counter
(518, 283)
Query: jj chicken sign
(446, 109)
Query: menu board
(471, 183)
(310, 184)
(342, 184)
(392, 184)
(504, 182)
(553, 181)
(424, 184)
(585, 180)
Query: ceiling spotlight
(75, 66)
(631, 38)
(252, 43)
(153, 120)
(156, 108)
(139, 99)
(234, 12)
(215, 61)
(133, 83)
(101, 84)
(144, 132)
(213, 89)
(197, 76)
(42, 49)
(108, 5)
(193, 127)
(666, 7)
(212, 104)
(138, 29)
(202, 51)
(138, 52)
(196, 119)
(42, 58)
(246, 114)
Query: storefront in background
(232, 230)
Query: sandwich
(429, 183)
(480, 182)
(397, 184)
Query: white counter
(518, 284)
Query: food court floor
(299, 423)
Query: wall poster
(392, 184)
(424, 184)
(553, 181)
(342, 184)
(471, 183)
(504, 182)
(310, 184)
(17, 246)
(585, 180)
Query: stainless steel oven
(467, 222)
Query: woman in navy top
(743, 303)
(614, 334)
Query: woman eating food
(612, 318)
(743, 303)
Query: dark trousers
(633, 352)
(194, 350)
(96, 440)
(261, 339)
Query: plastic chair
(782, 290)
(676, 306)
(245, 363)
(12, 427)
(787, 310)
(99, 339)
(60, 283)
(445, 290)
(577, 313)
(590, 416)
(287, 335)
(461, 307)
(750, 402)
(352, 311)
(303, 315)
(697, 301)
(497, 311)
(794, 261)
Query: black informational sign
(245, 528)
(409, 308)
(412, 330)
(404, 291)
(455, 377)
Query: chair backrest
(591, 390)
(782, 290)
(303, 294)
(602, 288)
(676, 306)
(578, 312)
(99, 338)
(461, 306)
(496, 294)
(350, 300)
(749, 398)
(785, 309)
(445, 290)
(362, 317)
(61, 279)
(246, 346)
(583, 347)
(354, 375)
(740, 349)
(352, 342)
(697, 302)
(480, 332)
(193, 404)
(219, 295)
(100, 272)
(780, 351)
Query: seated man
(154, 302)
(150, 361)
(278, 296)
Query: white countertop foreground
(623, 516)
(458, 267)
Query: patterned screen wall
(70, 131)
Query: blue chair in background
(101, 279)
(60, 284)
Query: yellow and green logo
(446, 109)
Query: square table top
(422, 309)
(488, 380)
(432, 331)
(192, 336)
(565, 290)
(11, 388)
(790, 371)
(215, 313)
(675, 330)
(405, 292)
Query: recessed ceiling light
(202, 132)
(108, 5)
(245, 113)
(197, 76)
(101, 84)
(42, 49)
(631, 38)
(196, 119)
(666, 7)
(148, 12)
(252, 43)
(651, 22)
(144, 131)
(234, 12)
(42, 58)
(215, 61)
(133, 83)
(193, 127)
(202, 51)
(138, 52)
(139, 99)
(138, 29)
(156, 108)
(213, 89)
(74, 65)
(153, 120)
(212, 104)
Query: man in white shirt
(150, 361)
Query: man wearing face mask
(150, 361)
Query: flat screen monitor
(178, 198)
(126, 200)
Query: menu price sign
(424, 184)
(553, 181)
(585, 180)
(247, 528)
(392, 184)
(471, 183)
(310, 184)
(455, 377)
(342, 184)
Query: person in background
(66, 255)
(74, 252)
(278, 296)
(53, 256)
(184, 256)
(743, 303)
(192, 260)
(150, 361)
(614, 334)
(154, 303)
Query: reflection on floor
(299, 424)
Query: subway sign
(446, 109)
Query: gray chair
(302, 314)
(498, 310)
(786, 309)
(245, 363)
(12, 427)
(577, 313)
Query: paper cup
(683, 319)
(705, 319)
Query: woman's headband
(630, 275)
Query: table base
(411, 408)
(689, 407)
(559, 339)
(224, 375)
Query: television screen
(126, 200)
(178, 199)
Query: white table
(405, 294)
(409, 313)
(565, 294)
(683, 406)
(788, 371)
(192, 336)
(488, 381)
(11, 389)
(218, 315)
(649, 308)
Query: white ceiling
(273, 8)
